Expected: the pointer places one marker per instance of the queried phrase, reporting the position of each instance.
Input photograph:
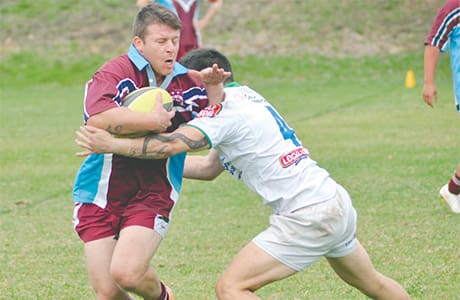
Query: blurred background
(262, 27)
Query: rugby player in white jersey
(313, 215)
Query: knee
(385, 288)
(125, 277)
(226, 288)
(223, 288)
(108, 291)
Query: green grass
(358, 120)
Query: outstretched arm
(213, 78)
(431, 56)
(155, 146)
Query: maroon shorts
(92, 222)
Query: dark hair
(154, 13)
(201, 58)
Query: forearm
(215, 92)
(210, 13)
(431, 56)
(200, 24)
(160, 146)
(157, 146)
(122, 121)
(148, 147)
(153, 146)
(203, 167)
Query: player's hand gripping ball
(144, 100)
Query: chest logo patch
(210, 111)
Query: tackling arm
(204, 167)
(155, 146)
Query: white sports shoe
(452, 200)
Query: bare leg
(251, 269)
(98, 257)
(357, 270)
(130, 266)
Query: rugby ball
(144, 100)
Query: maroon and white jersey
(105, 179)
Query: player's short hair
(201, 58)
(154, 13)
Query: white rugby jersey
(257, 146)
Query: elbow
(95, 121)
(209, 177)
(213, 173)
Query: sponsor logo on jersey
(293, 157)
(210, 111)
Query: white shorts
(300, 238)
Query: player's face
(159, 47)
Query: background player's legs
(251, 269)
(357, 270)
(454, 183)
(98, 257)
(450, 192)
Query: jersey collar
(232, 84)
(141, 63)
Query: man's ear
(138, 44)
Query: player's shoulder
(119, 64)
(450, 10)
(452, 5)
(243, 92)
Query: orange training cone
(410, 79)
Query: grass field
(358, 120)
